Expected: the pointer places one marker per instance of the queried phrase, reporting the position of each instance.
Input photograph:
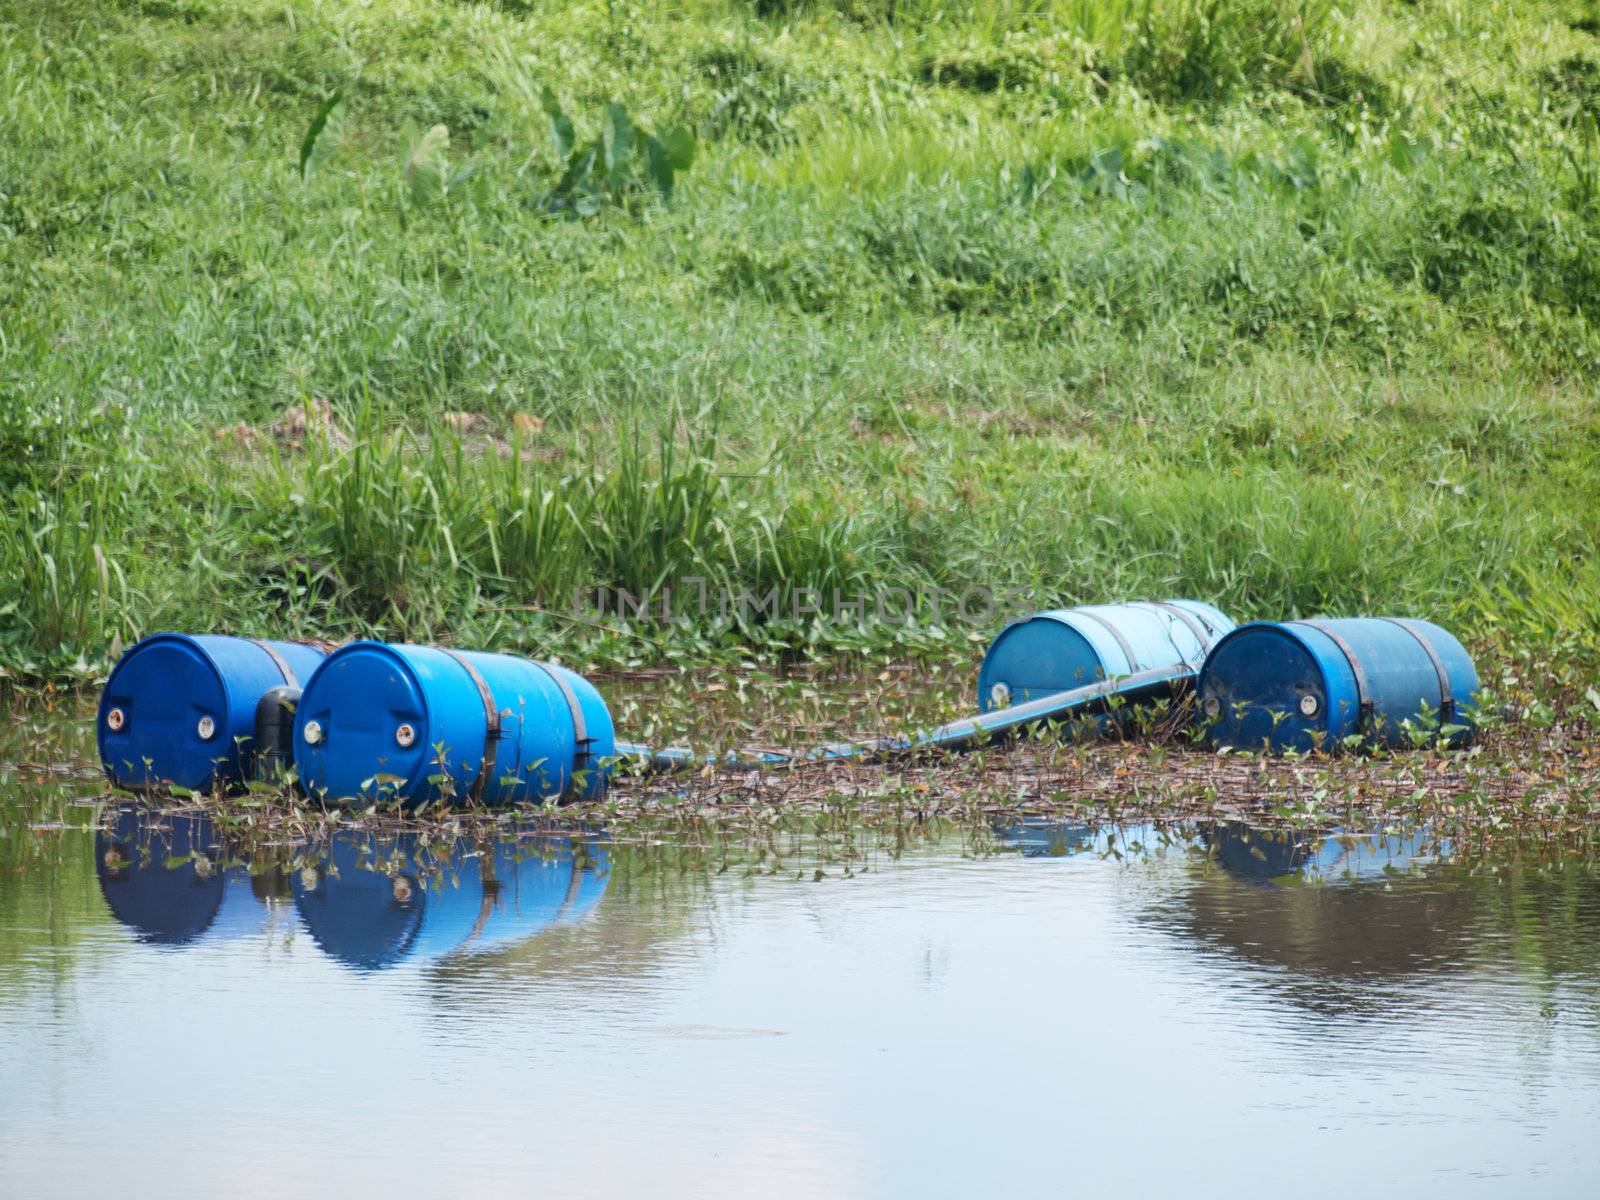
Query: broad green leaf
(680, 146)
(578, 167)
(659, 164)
(561, 134)
(619, 142)
(328, 115)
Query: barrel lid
(1263, 685)
(1037, 656)
(370, 717)
(161, 691)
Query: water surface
(1043, 1009)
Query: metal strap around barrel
(1447, 700)
(280, 662)
(1199, 616)
(491, 727)
(580, 728)
(1188, 619)
(1363, 696)
(1127, 650)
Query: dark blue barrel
(1068, 648)
(180, 710)
(372, 906)
(1304, 685)
(415, 723)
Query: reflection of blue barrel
(1260, 853)
(1303, 685)
(1052, 652)
(370, 905)
(1044, 838)
(177, 904)
(1266, 854)
(416, 723)
(1369, 856)
(181, 710)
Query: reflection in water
(1321, 905)
(367, 902)
(1341, 918)
(1268, 854)
(602, 1015)
(1045, 839)
(371, 903)
(1337, 915)
(163, 881)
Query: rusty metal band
(580, 728)
(1363, 695)
(1127, 650)
(1201, 617)
(491, 725)
(1188, 619)
(279, 662)
(1447, 700)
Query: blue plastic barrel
(1067, 648)
(180, 709)
(415, 723)
(1303, 685)
(371, 905)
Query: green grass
(1291, 306)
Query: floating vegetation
(1533, 775)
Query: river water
(1033, 1009)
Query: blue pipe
(965, 734)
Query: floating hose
(969, 733)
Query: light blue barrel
(416, 723)
(1069, 648)
(181, 709)
(1311, 685)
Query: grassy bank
(1290, 306)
